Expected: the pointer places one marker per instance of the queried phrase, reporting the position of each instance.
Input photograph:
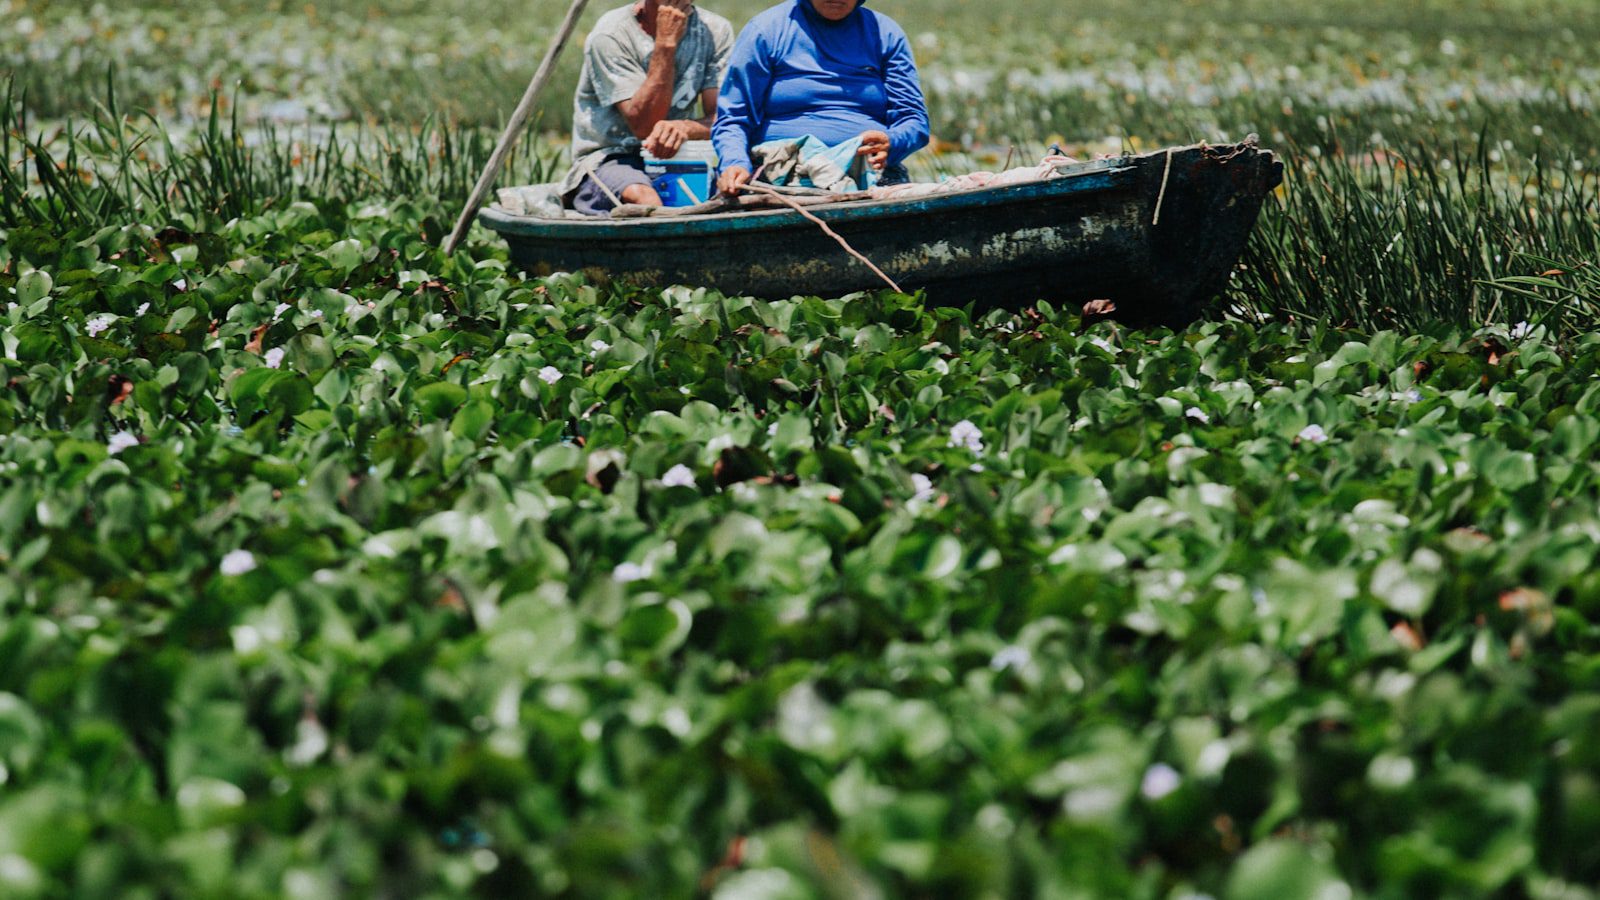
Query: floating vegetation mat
(330, 566)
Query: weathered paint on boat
(1157, 234)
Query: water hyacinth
(626, 572)
(965, 434)
(274, 357)
(121, 441)
(679, 475)
(97, 325)
(237, 562)
(1010, 657)
(1159, 781)
(875, 566)
(1313, 434)
(599, 346)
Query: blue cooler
(685, 179)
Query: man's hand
(668, 136)
(672, 20)
(875, 147)
(732, 179)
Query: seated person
(644, 66)
(827, 69)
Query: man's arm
(667, 138)
(650, 104)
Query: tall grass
(113, 167)
(1403, 237)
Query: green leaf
(440, 399)
(33, 286)
(1280, 869)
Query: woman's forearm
(738, 103)
(908, 112)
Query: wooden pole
(519, 118)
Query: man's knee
(641, 194)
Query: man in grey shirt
(644, 67)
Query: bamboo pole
(519, 118)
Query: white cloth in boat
(808, 162)
(1048, 168)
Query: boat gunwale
(1099, 179)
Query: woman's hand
(732, 179)
(875, 147)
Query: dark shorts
(616, 173)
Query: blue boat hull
(1157, 234)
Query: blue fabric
(794, 73)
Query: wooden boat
(1156, 233)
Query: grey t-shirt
(615, 59)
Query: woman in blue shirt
(827, 68)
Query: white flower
(1413, 396)
(143, 308)
(772, 430)
(1159, 781)
(1313, 433)
(599, 346)
(237, 562)
(965, 434)
(1520, 331)
(310, 742)
(1213, 759)
(98, 324)
(1197, 414)
(1010, 656)
(280, 309)
(274, 357)
(1103, 345)
(121, 441)
(549, 375)
(316, 314)
(626, 572)
(181, 284)
(923, 485)
(679, 475)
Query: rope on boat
(1162, 196)
(764, 189)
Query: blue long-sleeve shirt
(794, 73)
